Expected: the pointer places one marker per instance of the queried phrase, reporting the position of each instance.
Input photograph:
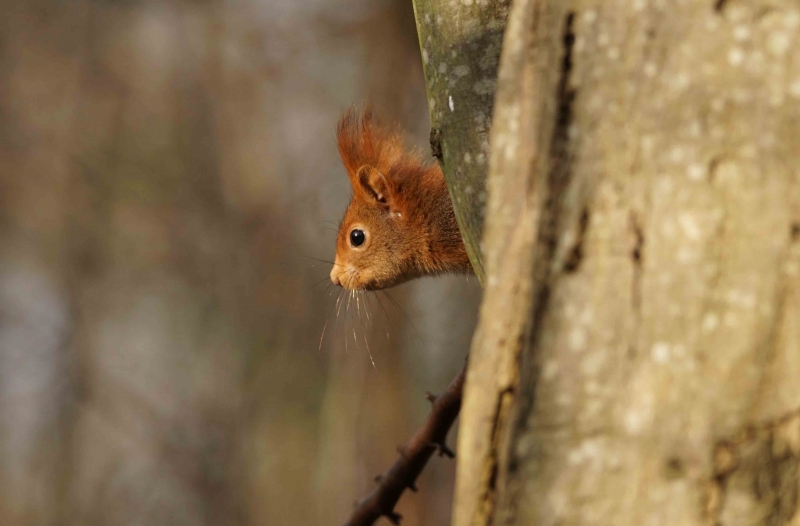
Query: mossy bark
(460, 46)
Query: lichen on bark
(460, 46)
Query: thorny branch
(412, 458)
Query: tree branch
(412, 458)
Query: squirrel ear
(374, 184)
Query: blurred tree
(168, 172)
(638, 351)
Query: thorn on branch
(443, 450)
(430, 397)
(394, 517)
(378, 479)
(402, 452)
(413, 487)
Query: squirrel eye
(357, 237)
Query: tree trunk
(637, 359)
(460, 44)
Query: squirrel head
(399, 224)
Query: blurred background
(168, 184)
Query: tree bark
(637, 359)
(460, 44)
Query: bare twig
(412, 458)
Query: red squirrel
(400, 223)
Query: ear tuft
(364, 142)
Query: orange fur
(402, 205)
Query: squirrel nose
(335, 276)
